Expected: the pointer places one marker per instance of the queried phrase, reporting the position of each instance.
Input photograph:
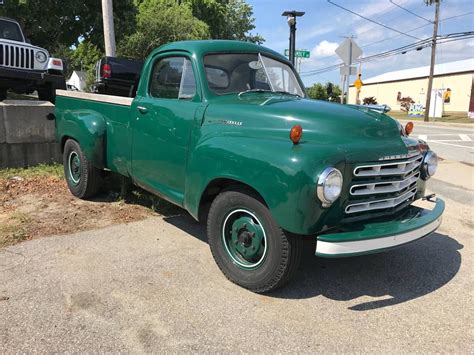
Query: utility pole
(433, 58)
(291, 18)
(109, 34)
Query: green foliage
(159, 22)
(57, 24)
(73, 30)
(369, 100)
(328, 91)
(317, 92)
(227, 19)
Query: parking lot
(153, 286)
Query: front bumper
(37, 77)
(415, 223)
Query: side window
(172, 78)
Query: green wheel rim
(244, 239)
(74, 167)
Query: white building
(78, 80)
(455, 79)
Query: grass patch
(34, 171)
(450, 117)
(14, 230)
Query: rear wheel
(83, 179)
(247, 244)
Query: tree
(159, 22)
(317, 92)
(55, 24)
(334, 92)
(227, 19)
(328, 91)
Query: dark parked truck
(117, 76)
(224, 130)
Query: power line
(411, 30)
(417, 28)
(368, 19)
(401, 50)
(410, 12)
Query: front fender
(88, 128)
(285, 175)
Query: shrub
(370, 100)
(405, 103)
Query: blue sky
(324, 25)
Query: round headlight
(41, 57)
(329, 186)
(430, 164)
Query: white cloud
(324, 49)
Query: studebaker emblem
(228, 122)
(400, 156)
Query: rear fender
(88, 128)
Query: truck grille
(16, 57)
(381, 186)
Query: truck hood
(356, 130)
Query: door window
(173, 78)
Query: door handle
(142, 109)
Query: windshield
(241, 72)
(10, 30)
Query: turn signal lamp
(409, 128)
(296, 133)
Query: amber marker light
(409, 128)
(296, 133)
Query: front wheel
(247, 244)
(46, 93)
(83, 179)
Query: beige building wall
(386, 93)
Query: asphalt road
(153, 286)
(453, 143)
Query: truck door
(162, 124)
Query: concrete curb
(27, 138)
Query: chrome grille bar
(16, 56)
(384, 186)
(383, 169)
(380, 204)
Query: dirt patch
(37, 206)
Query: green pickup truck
(224, 130)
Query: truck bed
(96, 112)
(118, 100)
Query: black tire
(267, 269)
(46, 93)
(83, 179)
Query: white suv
(25, 68)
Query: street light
(291, 19)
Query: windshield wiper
(267, 90)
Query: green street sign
(299, 53)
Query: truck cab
(224, 129)
(24, 67)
